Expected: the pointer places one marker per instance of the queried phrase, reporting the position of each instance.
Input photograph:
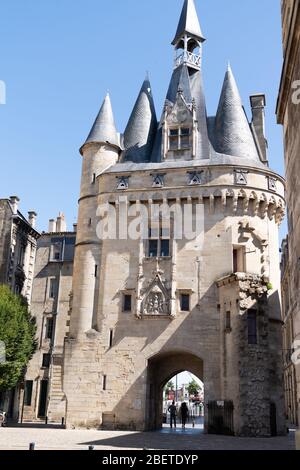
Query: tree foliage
(17, 332)
(193, 387)
(169, 386)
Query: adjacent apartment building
(18, 242)
(51, 299)
(288, 114)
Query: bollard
(91, 448)
(46, 420)
(32, 446)
(62, 422)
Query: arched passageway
(161, 368)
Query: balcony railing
(188, 58)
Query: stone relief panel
(156, 299)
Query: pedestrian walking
(173, 413)
(184, 412)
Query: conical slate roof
(141, 128)
(233, 135)
(180, 80)
(104, 129)
(188, 23)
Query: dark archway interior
(161, 368)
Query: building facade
(149, 305)
(290, 381)
(288, 114)
(42, 395)
(18, 241)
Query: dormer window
(180, 138)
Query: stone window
(228, 322)
(111, 338)
(28, 392)
(52, 289)
(21, 254)
(104, 383)
(180, 138)
(56, 251)
(127, 303)
(159, 243)
(252, 326)
(49, 328)
(185, 302)
(46, 361)
(238, 256)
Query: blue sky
(58, 58)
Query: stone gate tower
(146, 308)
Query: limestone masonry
(145, 308)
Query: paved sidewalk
(59, 439)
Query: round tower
(99, 152)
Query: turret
(100, 151)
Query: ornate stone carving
(123, 183)
(241, 177)
(272, 183)
(156, 299)
(158, 181)
(195, 178)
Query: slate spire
(188, 23)
(104, 129)
(140, 132)
(233, 135)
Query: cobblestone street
(189, 439)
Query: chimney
(61, 225)
(258, 104)
(14, 201)
(32, 215)
(75, 228)
(52, 226)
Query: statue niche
(156, 300)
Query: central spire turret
(188, 38)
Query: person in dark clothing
(173, 412)
(184, 411)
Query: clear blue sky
(59, 57)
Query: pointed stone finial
(233, 135)
(104, 129)
(188, 23)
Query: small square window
(185, 131)
(127, 303)
(174, 132)
(46, 361)
(185, 302)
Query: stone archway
(161, 368)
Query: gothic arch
(161, 368)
